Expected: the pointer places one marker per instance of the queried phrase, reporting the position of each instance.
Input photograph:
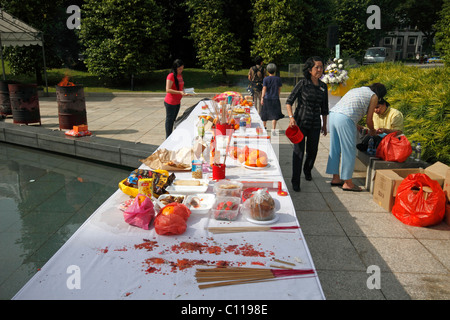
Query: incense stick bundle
(239, 275)
(247, 229)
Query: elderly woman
(312, 96)
(344, 117)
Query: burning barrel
(71, 105)
(24, 103)
(5, 102)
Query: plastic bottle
(418, 151)
(371, 148)
(242, 124)
(413, 147)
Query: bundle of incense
(247, 229)
(239, 275)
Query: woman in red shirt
(174, 90)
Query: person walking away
(311, 117)
(174, 93)
(256, 76)
(344, 117)
(270, 98)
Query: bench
(373, 164)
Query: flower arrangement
(335, 74)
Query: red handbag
(394, 148)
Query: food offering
(249, 157)
(188, 186)
(166, 199)
(200, 203)
(228, 188)
(172, 219)
(260, 206)
(160, 180)
(226, 208)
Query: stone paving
(350, 237)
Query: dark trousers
(311, 142)
(171, 116)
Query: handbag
(394, 148)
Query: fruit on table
(250, 157)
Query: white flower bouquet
(335, 74)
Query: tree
(443, 32)
(122, 37)
(422, 15)
(217, 47)
(277, 25)
(61, 44)
(354, 36)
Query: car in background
(435, 60)
(377, 55)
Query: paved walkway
(349, 236)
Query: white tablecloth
(108, 259)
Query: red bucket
(294, 134)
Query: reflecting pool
(44, 199)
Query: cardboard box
(387, 181)
(447, 213)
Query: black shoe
(296, 187)
(308, 176)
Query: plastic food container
(228, 188)
(200, 203)
(260, 206)
(169, 198)
(226, 208)
(188, 186)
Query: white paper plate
(206, 202)
(275, 219)
(256, 168)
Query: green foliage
(423, 96)
(354, 36)
(122, 37)
(277, 25)
(443, 32)
(217, 47)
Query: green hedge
(423, 96)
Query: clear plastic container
(228, 188)
(226, 208)
(259, 207)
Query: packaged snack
(228, 188)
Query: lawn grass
(152, 81)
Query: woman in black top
(312, 96)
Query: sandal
(354, 189)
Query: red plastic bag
(140, 213)
(420, 201)
(171, 219)
(394, 148)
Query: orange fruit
(241, 157)
(261, 162)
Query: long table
(106, 258)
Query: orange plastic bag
(420, 201)
(171, 219)
(394, 148)
(140, 213)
